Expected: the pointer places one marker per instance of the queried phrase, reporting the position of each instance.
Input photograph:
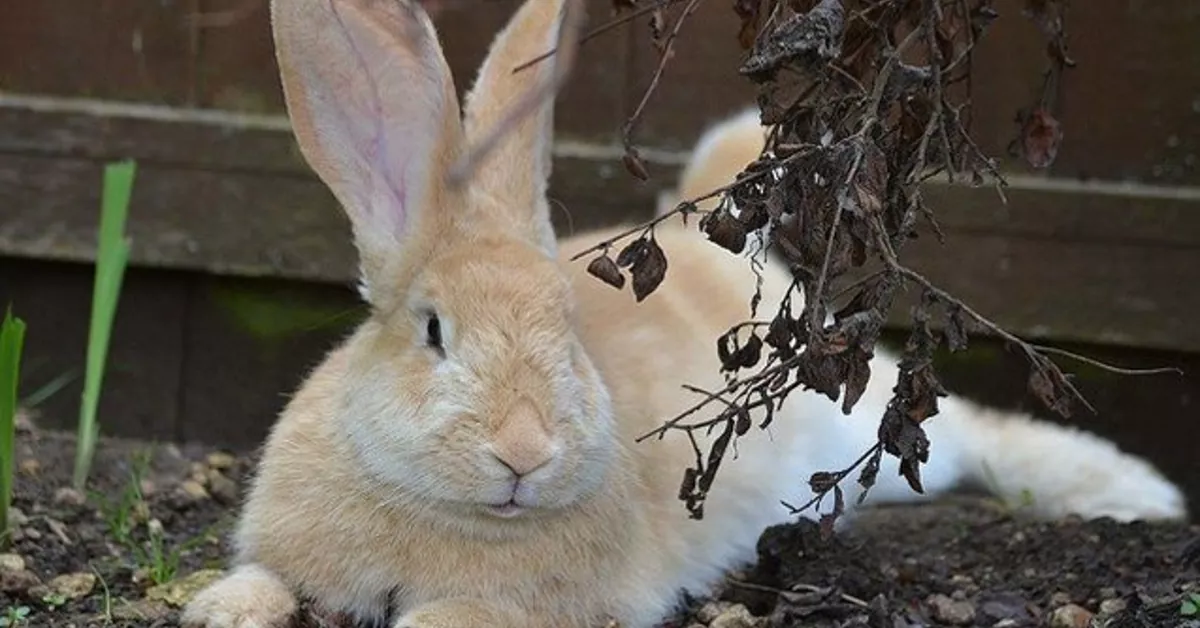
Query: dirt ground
(153, 531)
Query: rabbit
(468, 455)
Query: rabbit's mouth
(507, 510)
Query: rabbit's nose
(522, 442)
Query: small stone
(17, 582)
(30, 467)
(148, 487)
(180, 591)
(142, 610)
(17, 517)
(31, 534)
(222, 488)
(11, 562)
(736, 616)
(199, 473)
(220, 460)
(1060, 598)
(1112, 606)
(69, 497)
(712, 610)
(73, 585)
(193, 490)
(1070, 616)
(951, 611)
(1108, 593)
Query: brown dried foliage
(861, 101)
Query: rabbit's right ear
(373, 107)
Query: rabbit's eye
(433, 333)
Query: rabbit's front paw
(249, 597)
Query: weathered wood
(1129, 107)
(223, 378)
(145, 360)
(138, 50)
(1121, 294)
(229, 195)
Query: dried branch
(857, 123)
(603, 28)
(666, 48)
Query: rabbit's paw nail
(249, 597)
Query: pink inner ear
(365, 116)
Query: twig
(687, 206)
(786, 593)
(667, 52)
(1104, 366)
(600, 30)
(838, 477)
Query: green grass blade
(112, 255)
(12, 339)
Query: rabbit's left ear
(373, 107)
(517, 170)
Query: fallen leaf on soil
(180, 591)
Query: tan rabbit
(467, 458)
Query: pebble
(30, 467)
(1060, 598)
(736, 616)
(16, 582)
(73, 585)
(1112, 606)
(221, 460)
(69, 496)
(180, 591)
(1070, 616)
(12, 562)
(193, 490)
(142, 611)
(951, 611)
(711, 610)
(17, 517)
(222, 488)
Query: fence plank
(119, 49)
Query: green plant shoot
(111, 257)
(12, 337)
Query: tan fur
(379, 487)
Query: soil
(87, 561)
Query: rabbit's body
(468, 456)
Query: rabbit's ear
(373, 107)
(517, 170)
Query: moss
(275, 314)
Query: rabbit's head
(466, 390)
